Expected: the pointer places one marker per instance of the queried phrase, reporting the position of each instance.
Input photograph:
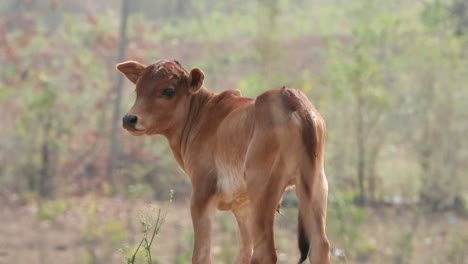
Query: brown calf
(240, 155)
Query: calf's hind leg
(265, 187)
(264, 203)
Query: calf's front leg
(202, 212)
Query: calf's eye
(168, 92)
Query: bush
(345, 221)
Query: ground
(92, 230)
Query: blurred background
(389, 77)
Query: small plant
(404, 246)
(148, 236)
(99, 233)
(345, 221)
(224, 249)
(50, 210)
(456, 252)
(184, 248)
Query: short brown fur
(240, 155)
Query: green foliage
(184, 249)
(229, 235)
(457, 253)
(5, 93)
(99, 230)
(136, 191)
(345, 221)
(113, 230)
(252, 85)
(404, 247)
(215, 25)
(49, 210)
(435, 14)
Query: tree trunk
(181, 7)
(426, 146)
(371, 173)
(114, 147)
(361, 151)
(266, 42)
(45, 180)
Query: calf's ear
(195, 80)
(131, 69)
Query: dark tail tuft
(303, 240)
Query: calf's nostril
(130, 120)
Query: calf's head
(163, 92)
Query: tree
(114, 143)
(437, 98)
(360, 73)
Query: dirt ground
(92, 230)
